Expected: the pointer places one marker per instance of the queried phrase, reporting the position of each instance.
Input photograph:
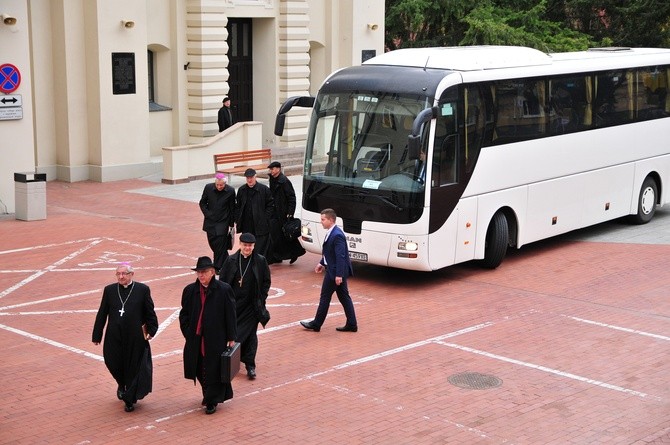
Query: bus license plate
(357, 256)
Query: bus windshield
(357, 147)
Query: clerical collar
(127, 285)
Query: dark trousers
(218, 244)
(327, 288)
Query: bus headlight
(409, 246)
(306, 234)
(408, 249)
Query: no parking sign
(10, 78)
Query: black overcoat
(259, 198)
(284, 197)
(261, 272)
(218, 208)
(285, 202)
(219, 326)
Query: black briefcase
(230, 363)
(291, 229)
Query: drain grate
(474, 380)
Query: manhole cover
(474, 380)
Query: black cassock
(127, 354)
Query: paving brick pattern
(578, 331)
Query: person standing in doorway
(128, 311)
(337, 265)
(218, 207)
(225, 118)
(207, 322)
(285, 201)
(254, 210)
(249, 276)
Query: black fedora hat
(204, 262)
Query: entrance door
(240, 68)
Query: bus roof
(463, 58)
(479, 58)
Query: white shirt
(324, 242)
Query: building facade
(106, 84)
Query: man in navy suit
(335, 261)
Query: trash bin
(30, 194)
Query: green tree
(548, 25)
(495, 25)
(634, 23)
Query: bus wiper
(384, 200)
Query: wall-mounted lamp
(8, 19)
(128, 23)
(373, 26)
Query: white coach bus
(437, 156)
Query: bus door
(459, 133)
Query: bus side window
(613, 104)
(652, 87)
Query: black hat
(274, 164)
(249, 172)
(204, 262)
(247, 238)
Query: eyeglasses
(119, 274)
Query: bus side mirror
(279, 124)
(295, 101)
(414, 139)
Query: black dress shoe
(129, 407)
(211, 409)
(119, 393)
(311, 326)
(293, 260)
(251, 373)
(347, 328)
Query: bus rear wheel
(646, 202)
(497, 240)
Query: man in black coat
(128, 310)
(207, 321)
(218, 207)
(283, 194)
(225, 117)
(249, 275)
(254, 211)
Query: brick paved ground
(576, 332)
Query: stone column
(207, 76)
(294, 66)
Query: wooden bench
(238, 162)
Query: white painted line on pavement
(49, 268)
(43, 246)
(52, 343)
(619, 328)
(550, 370)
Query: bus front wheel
(646, 202)
(497, 240)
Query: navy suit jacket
(336, 253)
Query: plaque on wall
(123, 73)
(368, 54)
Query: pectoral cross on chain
(121, 311)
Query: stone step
(291, 159)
